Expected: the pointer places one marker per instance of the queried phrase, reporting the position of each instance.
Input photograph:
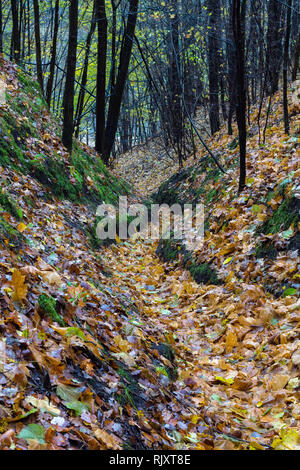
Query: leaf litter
(146, 358)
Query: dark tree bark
(174, 84)
(238, 24)
(231, 59)
(53, 54)
(68, 100)
(116, 97)
(101, 76)
(213, 7)
(1, 28)
(115, 5)
(274, 46)
(81, 96)
(28, 29)
(39, 67)
(15, 38)
(296, 59)
(21, 26)
(285, 67)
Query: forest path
(146, 167)
(223, 395)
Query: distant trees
(175, 70)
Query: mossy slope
(30, 143)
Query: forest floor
(118, 348)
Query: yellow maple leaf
(20, 289)
(21, 227)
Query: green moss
(92, 232)
(210, 196)
(48, 305)
(10, 206)
(204, 274)
(266, 250)
(166, 351)
(7, 232)
(170, 250)
(12, 144)
(233, 144)
(84, 179)
(28, 82)
(131, 392)
(125, 398)
(283, 217)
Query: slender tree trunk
(296, 60)
(113, 44)
(21, 23)
(39, 67)
(274, 46)
(214, 64)
(1, 28)
(116, 97)
(101, 75)
(81, 97)
(15, 41)
(238, 23)
(53, 54)
(231, 58)
(28, 29)
(175, 85)
(68, 100)
(285, 67)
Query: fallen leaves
(145, 355)
(107, 439)
(20, 289)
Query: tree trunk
(101, 75)
(175, 85)
(285, 67)
(116, 97)
(274, 46)
(213, 7)
(238, 23)
(81, 97)
(68, 100)
(39, 67)
(1, 27)
(296, 60)
(53, 55)
(15, 39)
(231, 59)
